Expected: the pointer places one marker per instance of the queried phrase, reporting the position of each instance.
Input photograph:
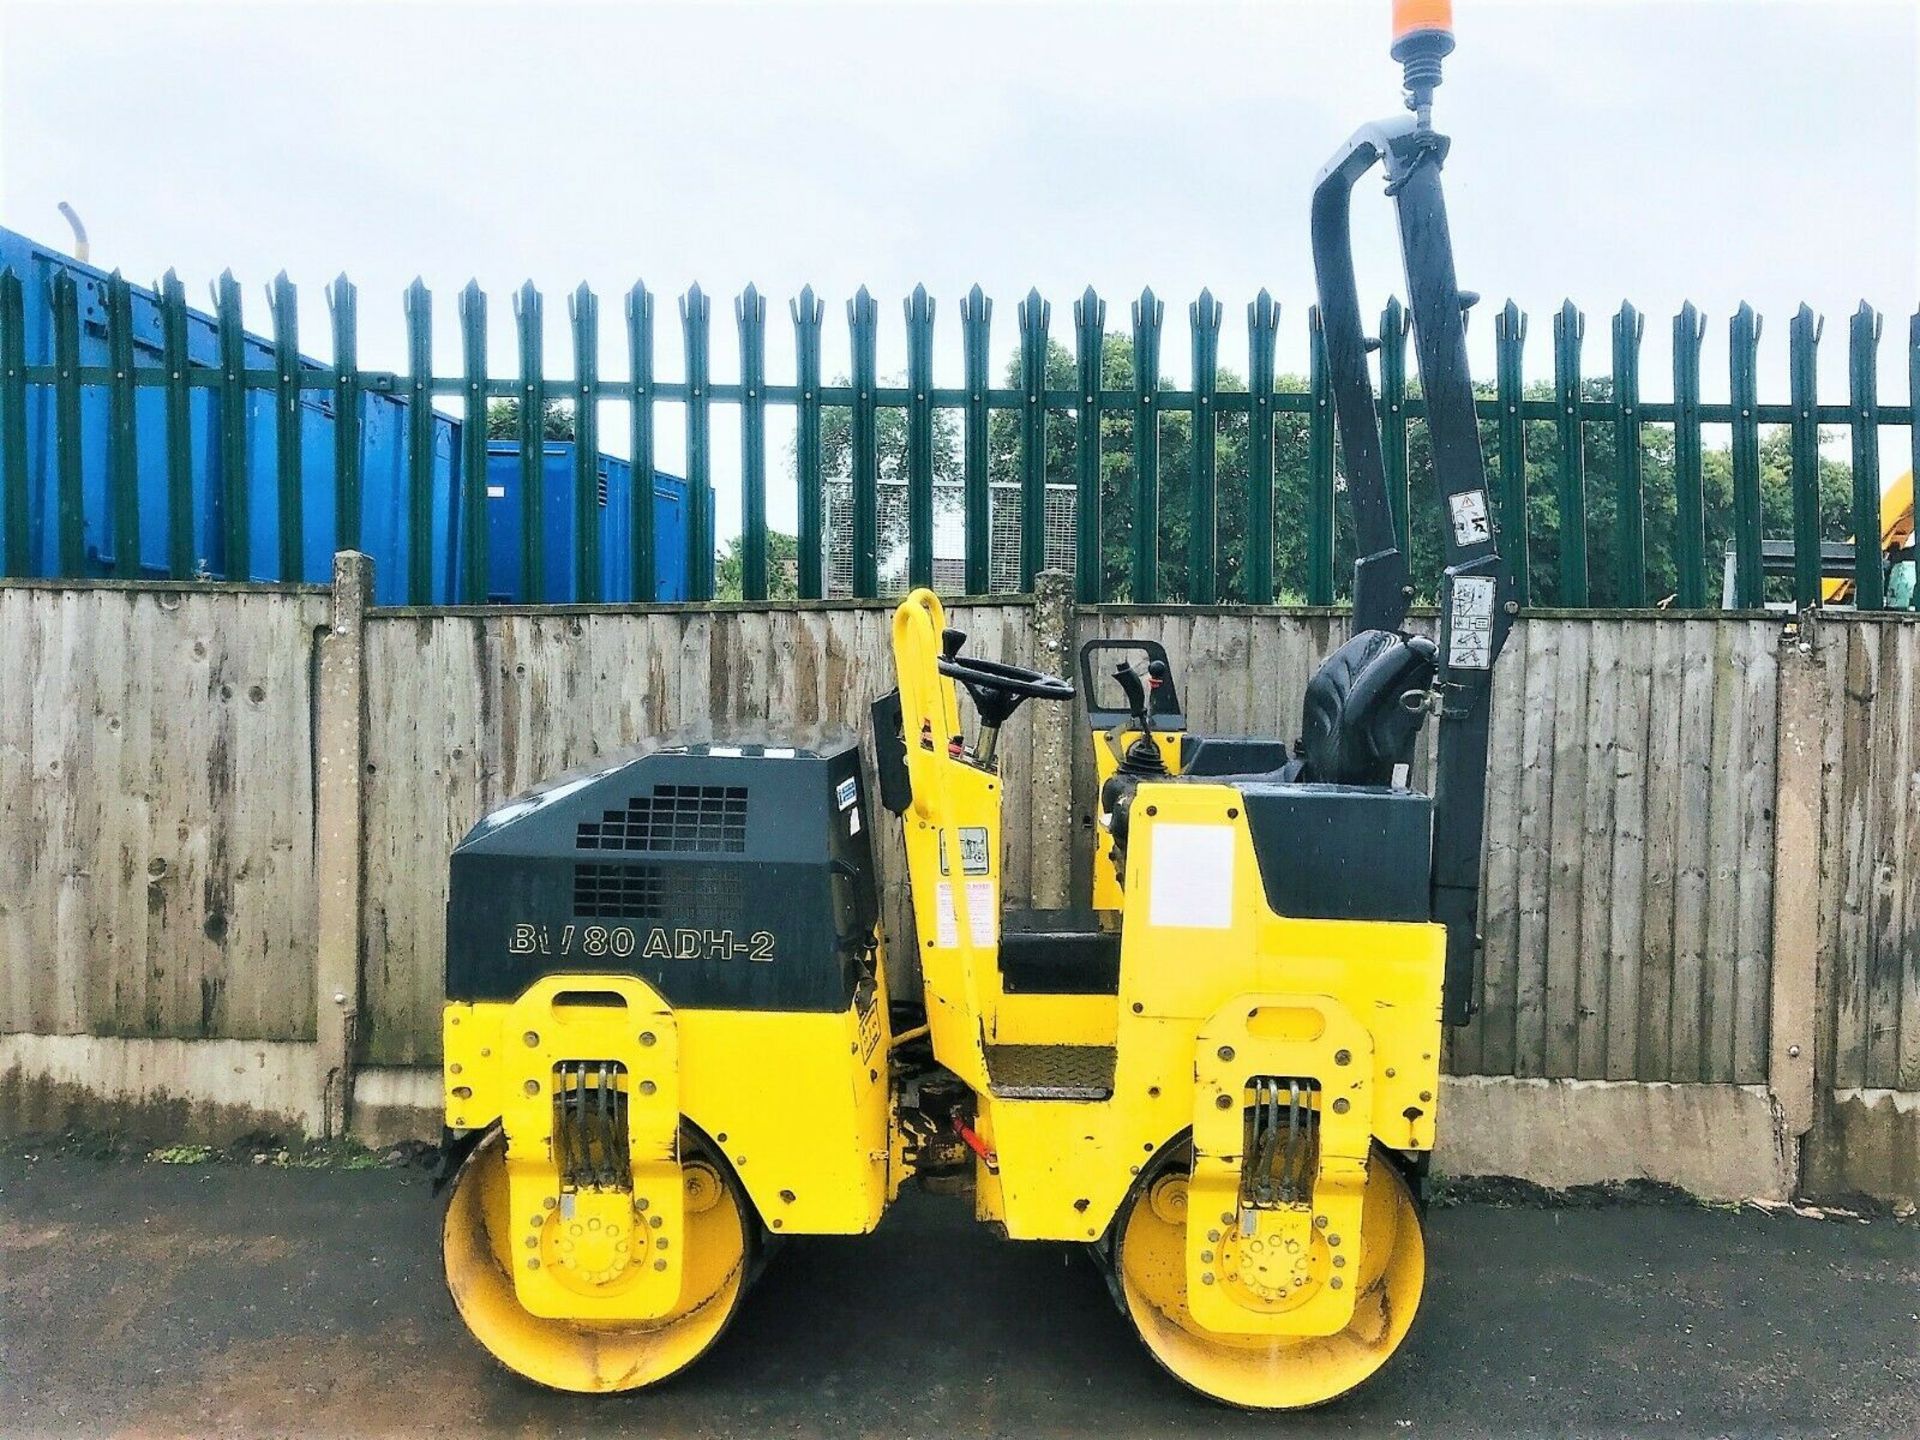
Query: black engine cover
(728, 877)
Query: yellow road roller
(668, 1035)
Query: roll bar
(1475, 590)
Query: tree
(1005, 448)
(503, 420)
(783, 568)
(1659, 504)
(1543, 539)
(1425, 522)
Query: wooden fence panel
(156, 792)
(1629, 817)
(1870, 877)
(466, 710)
(156, 760)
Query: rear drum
(583, 1356)
(1269, 1372)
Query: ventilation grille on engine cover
(693, 895)
(618, 892)
(699, 818)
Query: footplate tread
(1050, 1072)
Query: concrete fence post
(341, 741)
(1793, 1019)
(1052, 745)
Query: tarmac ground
(222, 1298)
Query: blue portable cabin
(384, 444)
(614, 499)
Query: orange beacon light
(1414, 17)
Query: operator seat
(1354, 726)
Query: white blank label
(1192, 882)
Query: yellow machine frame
(1063, 1167)
(793, 1121)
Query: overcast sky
(1651, 151)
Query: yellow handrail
(929, 720)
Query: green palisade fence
(1602, 496)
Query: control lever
(1136, 693)
(1143, 756)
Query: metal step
(1050, 1072)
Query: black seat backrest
(1354, 728)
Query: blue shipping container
(383, 455)
(384, 447)
(614, 501)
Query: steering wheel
(999, 689)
